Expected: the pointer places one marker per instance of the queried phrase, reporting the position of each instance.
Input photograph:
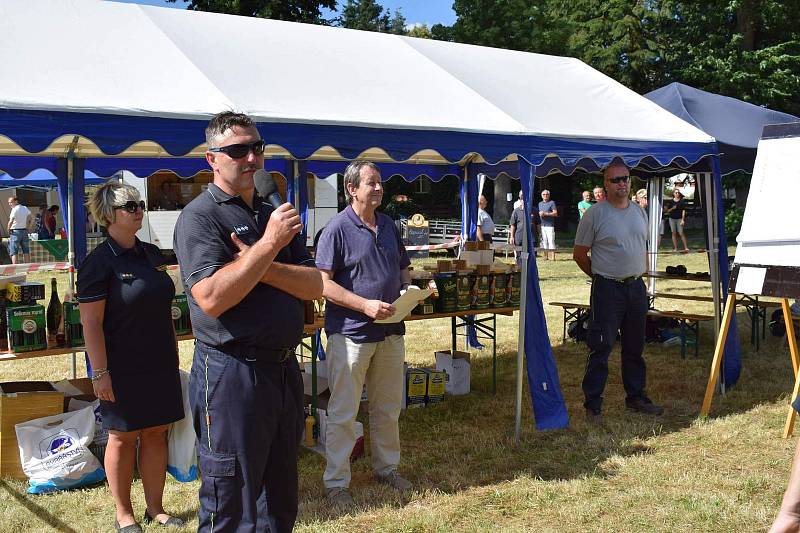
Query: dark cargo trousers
(615, 307)
(248, 416)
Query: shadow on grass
(37, 510)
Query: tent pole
(71, 232)
(522, 300)
(655, 206)
(713, 253)
(296, 181)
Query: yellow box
(416, 387)
(436, 386)
(21, 401)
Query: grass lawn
(635, 473)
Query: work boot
(340, 499)
(394, 480)
(643, 405)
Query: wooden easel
(730, 306)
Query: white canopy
(124, 59)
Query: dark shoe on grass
(394, 480)
(339, 498)
(172, 521)
(594, 416)
(644, 406)
(130, 528)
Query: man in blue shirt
(364, 268)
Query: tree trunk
(747, 23)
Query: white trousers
(350, 365)
(548, 238)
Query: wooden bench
(572, 311)
(689, 322)
(756, 310)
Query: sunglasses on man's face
(238, 151)
(619, 179)
(131, 206)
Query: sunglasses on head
(131, 206)
(238, 151)
(619, 179)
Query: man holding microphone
(245, 276)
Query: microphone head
(265, 185)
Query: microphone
(266, 188)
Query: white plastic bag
(182, 441)
(54, 451)
(100, 434)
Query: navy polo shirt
(137, 322)
(365, 263)
(267, 317)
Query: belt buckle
(286, 354)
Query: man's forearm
(299, 281)
(333, 292)
(583, 261)
(231, 283)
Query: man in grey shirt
(616, 233)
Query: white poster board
(770, 232)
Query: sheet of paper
(403, 305)
(750, 280)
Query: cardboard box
(471, 257)
(26, 328)
(22, 401)
(457, 366)
(436, 386)
(78, 389)
(415, 388)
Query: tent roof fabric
(165, 64)
(736, 125)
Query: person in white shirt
(19, 222)
(485, 222)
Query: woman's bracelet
(98, 373)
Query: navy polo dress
(137, 326)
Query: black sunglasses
(619, 179)
(238, 151)
(131, 206)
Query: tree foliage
(309, 11)
(369, 15)
(747, 49)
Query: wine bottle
(54, 312)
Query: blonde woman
(125, 297)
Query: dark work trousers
(248, 416)
(615, 307)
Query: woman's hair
(53, 208)
(108, 196)
(641, 193)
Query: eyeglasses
(619, 179)
(238, 151)
(131, 206)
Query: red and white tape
(10, 270)
(433, 246)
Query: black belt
(19, 229)
(623, 281)
(251, 354)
